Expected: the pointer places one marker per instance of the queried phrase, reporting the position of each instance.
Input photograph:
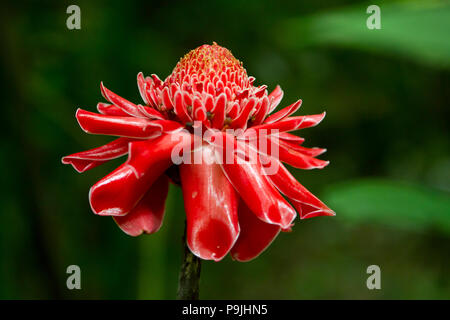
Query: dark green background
(386, 93)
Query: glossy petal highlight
(211, 203)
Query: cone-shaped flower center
(208, 62)
(211, 86)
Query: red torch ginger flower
(231, 206)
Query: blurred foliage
(415, 29)
(386, 133)
(394, 204)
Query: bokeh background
(386, 93)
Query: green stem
(188, 281)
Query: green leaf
(418, 30)
(392, 203)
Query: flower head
(233, 198)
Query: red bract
(236, 206)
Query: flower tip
(235, 256)
(327, 212)
(325, 163)
(101, 106)
(289, 228)
(210, 256)
(109, 211)
(318, 151)
(65, 160)
(217, 259)
(79, 116)
(104, 92)
(134, 234)
(320, 165)
(319, 117)
(140, 80)
(294, 108)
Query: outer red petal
(150, 112)
(83, 165)
(291, 138)
(142, 85)
(120, 102)
(89, 159)
(249, 179)
(275, 98)
(288, 152)
(312, 152)
(123, 126)
(111, 110)
(255, 236)
(119, 192)
(211, 207)
(307, 211)
(304, 201)
(299, 159)
(283, 113)
(288, 124)
(148, 214)
(295, 155)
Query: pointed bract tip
(103, 91)
(319, 213)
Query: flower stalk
(189, 278)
